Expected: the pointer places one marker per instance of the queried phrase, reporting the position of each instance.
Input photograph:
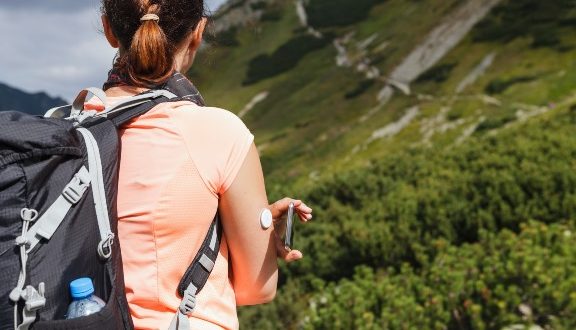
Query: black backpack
(58, 188)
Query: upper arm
(252, 251)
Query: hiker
(180, 164)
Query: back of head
(148, 43)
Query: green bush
(362, 87)
(494, 122)
(258, 5)
(430, 239)
(330, 13)
(283, 59)
(502, 280)
(226, 38)
(272, 15)
(437, 74)
(498, 86)
(540, 20)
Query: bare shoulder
(192, 114)
(188, 109)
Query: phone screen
(289, 228)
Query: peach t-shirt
(176, 160)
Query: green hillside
(448, 207)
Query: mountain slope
(36, 103)
(314, 92)
(444, 199)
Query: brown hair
(146, 56)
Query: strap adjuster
(188, 301)
(74, 190)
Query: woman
(180, 163)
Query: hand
(278, 209)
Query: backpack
(58, 188)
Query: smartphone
(289, 228)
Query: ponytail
(148, 32)
(149, 60)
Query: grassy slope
(406, 211)
(307, 129)
(307, 126)
(306, 110)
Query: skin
(253, 250)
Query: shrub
(258, 5)
(360, 89)
(494, 122)
(430, 239)
(226, 38)
(504, 279)
(438, 73)
(272, 15)
(283, 59)
(330, 13)
(541, 20)
(498, 86)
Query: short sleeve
(217, 141)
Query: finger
(280, 207)
(304, 217)
(305, 212)
(304, 208)
(293, 256)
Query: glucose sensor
(266, 219)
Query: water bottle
(84, 301)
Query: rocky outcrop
(235, 13)
(439, 42)
(303, 17)
(255, 100)
(476, 72)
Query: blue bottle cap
(81, 288)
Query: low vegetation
(478, 237)
(465, 218)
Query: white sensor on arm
(266, 219)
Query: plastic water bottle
(84, 301)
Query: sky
(55, 46)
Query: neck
(119, 91)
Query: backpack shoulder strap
(177, 88)
(197, 274)
(138, 105)
(200, 269)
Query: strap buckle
(74, 190)
(79, 118)
(188, 301)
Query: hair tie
(150, 17)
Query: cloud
(58, 53)
(214, 4)
(49, 6)
(55, 46)
(69, 5)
